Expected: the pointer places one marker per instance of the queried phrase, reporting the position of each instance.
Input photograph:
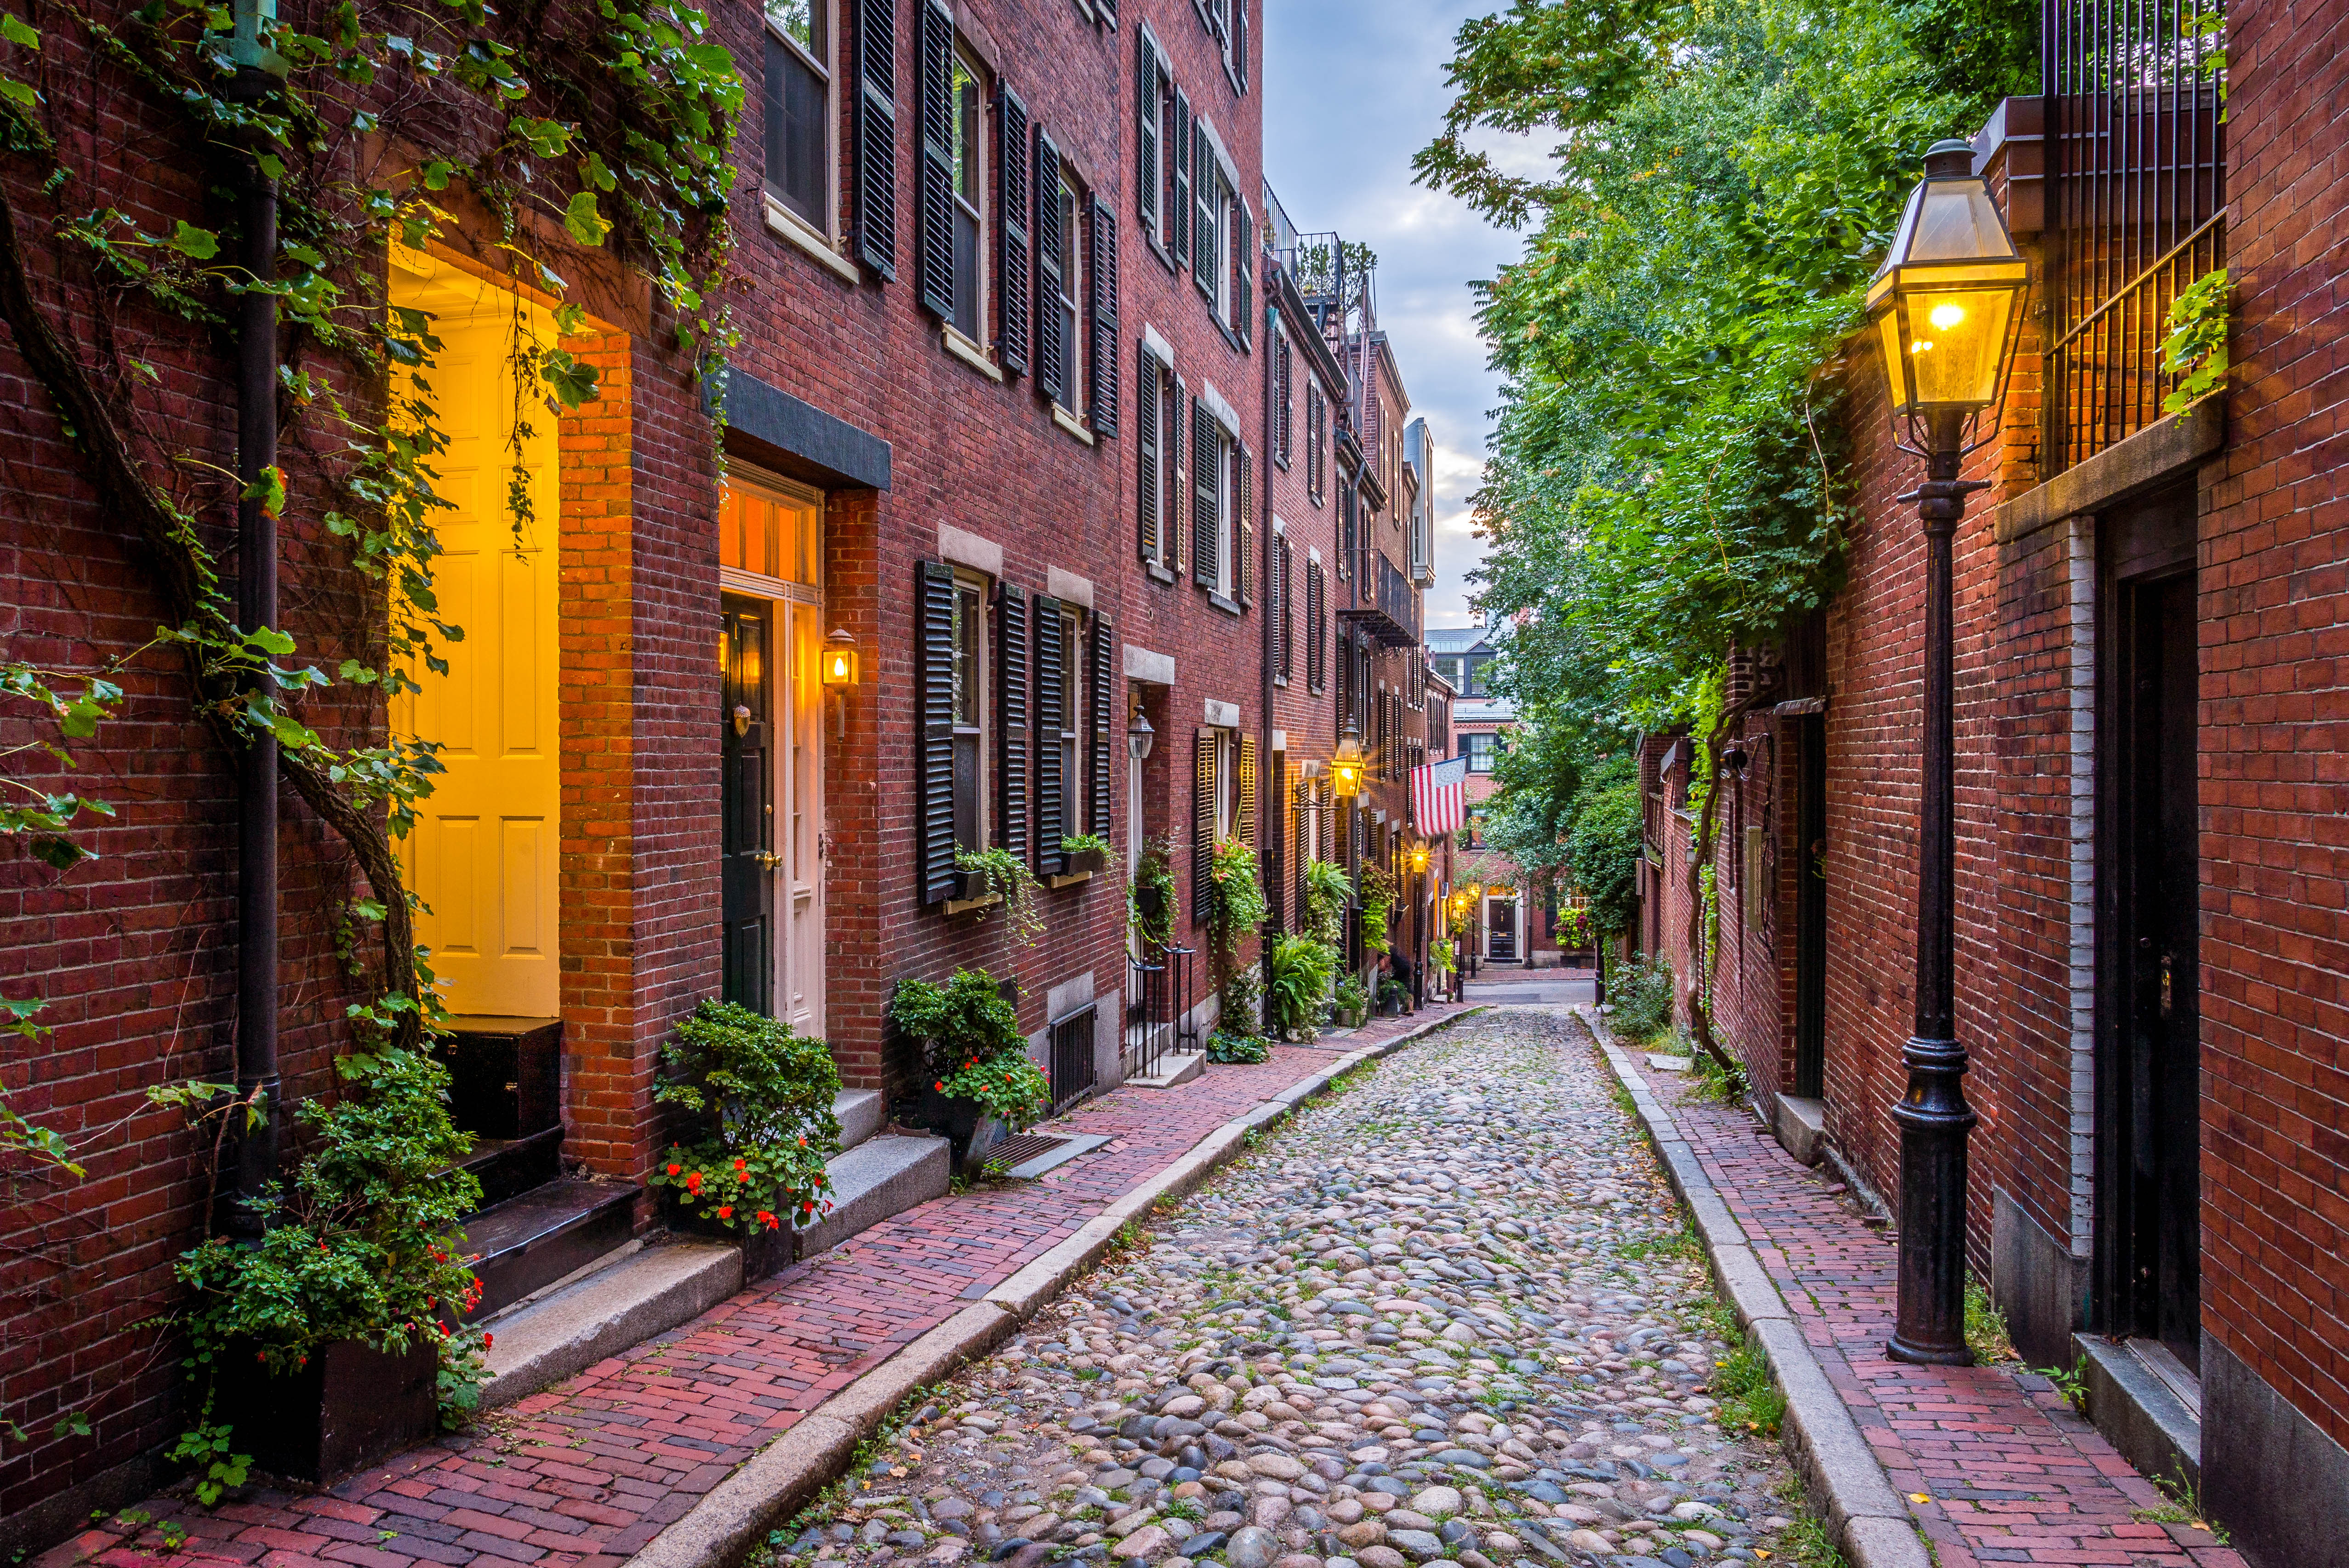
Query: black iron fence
(1073, 1058)
(2137, 169)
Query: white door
(799, 805)
(485, 854)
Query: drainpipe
(1272, 810)
(259, 70)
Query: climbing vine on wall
(556, 128)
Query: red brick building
(2149, 869)
(997, 422)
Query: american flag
(1439, 796)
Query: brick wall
(2275, 513)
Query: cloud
(1352, 88)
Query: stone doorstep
(638, 1291)
(2136, 1398)
(1864, 1513)
(1175, 1069)
(723, 1526)
(1801, 1125)
(861, 1112)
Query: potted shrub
(338, 1337)
(982, 1085)
(1087, 852)
(1392, 996)
(998, 872)
(762, 1098)
(1352, 1001)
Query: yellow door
(484, 855)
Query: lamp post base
(1930, 1327)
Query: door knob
(769, 859)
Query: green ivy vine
(605, 126)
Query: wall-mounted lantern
(1139, 736)
(1419, 856)
(1346, 767)
(837, 672)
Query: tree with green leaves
(1667, 481)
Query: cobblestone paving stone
(1995, 1464)
(585, 1473)
(1439, 1316)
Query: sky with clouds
(1352, 89)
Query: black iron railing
(1073, 1058)
(2136, 185)
(1387, 603)
(1157, 1009)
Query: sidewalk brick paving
(2011, 1472)
(584, 1474)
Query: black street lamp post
(1941, 303)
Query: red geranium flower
(693, 1183)
(489, 1340)
(675, 1167)
(726, 1211)
(741, 1164)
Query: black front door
(1503, 928)
(1811, 907)
(747, 808)
(2153, 1158)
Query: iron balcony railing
(2136, 137)
(1387, 602)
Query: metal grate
(1020, 1149)
(1073, 1059)
(2136, 126)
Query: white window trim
(984, 283)
(1077, 224)
(830, 70)
(969, 353)
(782, 222)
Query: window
(1068, 280)
(771, 528)
(1284, 403)
(1284, 612)
(970, 226)
(969, 712)
(1483, 747)
(1448, 666)
(1158, 441)
(798, 90)
(1317, 628)
(1317, 441)
(1072, 721)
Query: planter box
(350, 1407)
(1085, 861)
(968, 1128)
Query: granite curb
(817, 1449)
(1865, 1515)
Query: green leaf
(269, 490)
(19, 32)
(583, 222)
(200, 245)
(573, 379)
(63, 854)
(276, 644)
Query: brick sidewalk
(1997, 1466)
(586, 1472)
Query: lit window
(771, 528)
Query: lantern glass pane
(1954, 339)
(1957, 221)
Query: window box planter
(349, 1409)
(1086, 862)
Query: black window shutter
(1170, 425)
(1147, 131)
(1240, 41)
(1098, 696)
(1104, 387)
(1207, 177)
(1051, 354)
(1202, 826)
(1145, 443)
(936, 48)
(1011, 227)
(1051, 718)
(1244, 823)
(1285, 430)
(1285, 626)
(1011, 628)
(1206, 455)
(877, 134)
(1178, 185)
(934, 831)
(1244, 529)
(1243, 270)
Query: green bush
(763, 1095)
(1241, 1003)
(1642, 993)
(1301, 971)
(1228, 1049)
(1352, 995)
(972, 1045)
(1328, 891)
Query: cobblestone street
(1447, 1313)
